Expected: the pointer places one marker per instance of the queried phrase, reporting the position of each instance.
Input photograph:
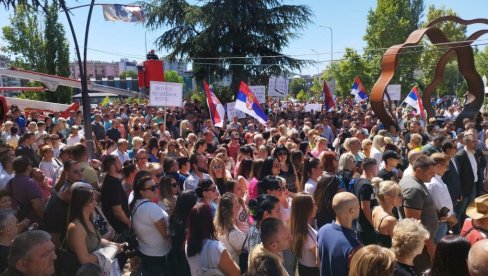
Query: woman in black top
(389, 196)
(408, 241)
(450, 257)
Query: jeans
(441, 232)
(153, 265)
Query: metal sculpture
(464, 55)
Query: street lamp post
(317, 64)
(331, 43)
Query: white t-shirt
(308, 258)
(150, 241)
(5, 178)
(286, 212)
(233, 242)
(208, 258)
(49, 168)
(310, 186)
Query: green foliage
(481, 61)
(303, 96)
(390, 24)
(317, 89)
(296, 85)
(172, 76)
(128, 74)
(199, 98)
(217, 29)
(345, 70)
(44, 51)
(454, 32)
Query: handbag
(131, 240)
(243, 257)
(66, 263)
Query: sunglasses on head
(152, 188)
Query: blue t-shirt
(335, 244)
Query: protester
(337, 241)
(389, 197)
(477, 258)
(372, 260)
(451, 256)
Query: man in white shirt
(440, 195)
(7, 171)
(121, 151)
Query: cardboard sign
(260, 92)
(278, 87)
(233, 112)
(395, 92)
(165, 94)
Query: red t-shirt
(471, 233)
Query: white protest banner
(278, 87)
(233, 112)
(165, 94)
(394, 91)
(260, 92)
(310, 107)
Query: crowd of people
(308, 193)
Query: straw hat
(479, 208)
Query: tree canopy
(240, 38)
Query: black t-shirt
(365, 192)
(212, 147)
(386, 175)
(114, 134)
(404, 270)
(56, 216)
(113, 194)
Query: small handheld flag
(247, 102)
(358, 91)
(413, 99)
(216, 109)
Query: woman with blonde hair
(372, 260)
(156, 171)
(304, 236)
(408, 241)
(6, 130)
(415, 142)
(320, 146)
(377, 148)
(366, 145)
(226, 230)
(389, 196)
(185, 128)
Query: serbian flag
(247, 102)
(358, 91)
(216, 109)
(328, 100)
(413, 99)
(122, 13)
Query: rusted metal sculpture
(460, 49)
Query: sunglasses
(152, 188)
(282, 153)
(213, 189)
(159, 175)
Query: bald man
(337, 241)
(478, 258)
(412, 156)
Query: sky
(111, 41)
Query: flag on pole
(216, 109)
(358, 91)
(413, 99)
(328, 100)
(247, 102)
(122, 13)
(105, 101)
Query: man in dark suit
(468, 171)
(452, 179)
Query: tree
(128, 74)
(41, 51)
(345, 70)
(214, 33)
(316, 90)
(296, 85)
(432, 54)
(172, 76)
(481, 61)
(389, 24)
